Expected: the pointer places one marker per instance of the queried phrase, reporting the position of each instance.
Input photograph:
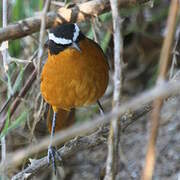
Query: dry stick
(79, 144)
(157, 104)
(67, 151)
(113, 140)
(4, 45)
(21, 94)
(74, 14)
(42, 33)
(5, 54)
(6, 104)
(17, 100)
(165, 90)
(59, 4)
(175, 53)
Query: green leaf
(105, 41)
(5, 129)
(40, 5)
(14, 124)
(89, 34)
(106, 16)
(14, 47)
(18, 81)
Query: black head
(64, 36)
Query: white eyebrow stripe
(59, 40)
(76, 33)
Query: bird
(75, 74)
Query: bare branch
(113, 140)
(42, 33)
(4, 45)
(20, 95)
(17, 100)
(5, 62)
(165, 90)
(79, 144)
(157, 104)
(74, 14)
(69, 149)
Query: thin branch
(113, 141)
(176, 52)
(20, 95)
(4, 45)
(5, 62)
(17, 100)
(42, 33)
(4, 106)
(165, 90)
(157, 104)
(78, 144)
(68, 150)
(59, 4)
(77, 13)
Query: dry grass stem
(157, 104)
(42, 35)
(5, 63)
(165, 90)
(78, 144)
(20, 95)
(175, 53)
(68, 150)
(113, 140)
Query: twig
(69, 149)
(18, 98)
(93, 24)
(74, 14)
(113, 141)
(157, 104)
(4, 106)
(134, 117)
(42, 33)
(4, 45)
(59, 4)
(175, 53)
(17, 60)
(78, 144)
(165, 90)
(5, 62)
(21, 94)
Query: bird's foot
(53, 154)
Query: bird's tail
(64, 118)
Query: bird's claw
(53, 154)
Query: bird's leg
(100, 107)
(52, 153)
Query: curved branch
(76, 13)
(63, 136)
(79, 144)
(69, 149)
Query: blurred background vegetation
(143, 30)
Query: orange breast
(73, 79)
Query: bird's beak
(76, 46)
